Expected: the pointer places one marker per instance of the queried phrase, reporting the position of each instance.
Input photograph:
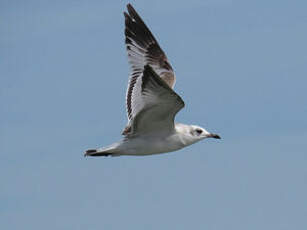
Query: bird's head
(200, 133)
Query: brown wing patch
(143, 49)
(142, 40)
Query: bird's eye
(199, 131)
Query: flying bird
(151, 102)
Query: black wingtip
(130, 8)
(126, 15)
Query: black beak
(212, 135)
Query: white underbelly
(150, 145)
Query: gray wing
(158, 104)
(143, 49)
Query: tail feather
(111, 150)
(96, 153)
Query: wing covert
(156, 103)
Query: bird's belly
(151, 145)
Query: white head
(200, 133)
(194, 133)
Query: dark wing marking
(143, 49)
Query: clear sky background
(241, 69)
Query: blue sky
(241, 70)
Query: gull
(151, 102)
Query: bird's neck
(184, 135)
